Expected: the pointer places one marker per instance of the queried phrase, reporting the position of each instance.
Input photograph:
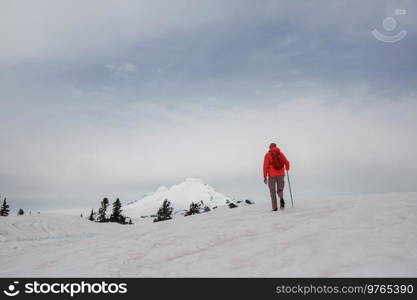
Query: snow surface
(180, 195)
(369, 235)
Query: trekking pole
(289, 185)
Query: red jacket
(269, 170)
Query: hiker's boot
(282, 204)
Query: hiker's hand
(265, 181)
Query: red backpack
(277, 161)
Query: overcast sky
(115, 98)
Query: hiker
(275, 164)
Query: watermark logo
(390, 24)
(67, 288)
(11, 289)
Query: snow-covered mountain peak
(180, 195)
(192, 184)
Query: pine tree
(164, 212)
(194, 209)
(102, 211)
(130, 222)
(4, 210)
(21, 212)
(116, 215)
(91, 217)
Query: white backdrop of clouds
(125, 149)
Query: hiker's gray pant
(276, 186)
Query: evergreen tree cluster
(194, 209)
(116, 215)
(5, 209)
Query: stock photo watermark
(71, 289)
(390, 25)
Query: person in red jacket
(275, 164)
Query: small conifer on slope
(164, 212)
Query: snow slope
(372, 235)
(180, 195)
